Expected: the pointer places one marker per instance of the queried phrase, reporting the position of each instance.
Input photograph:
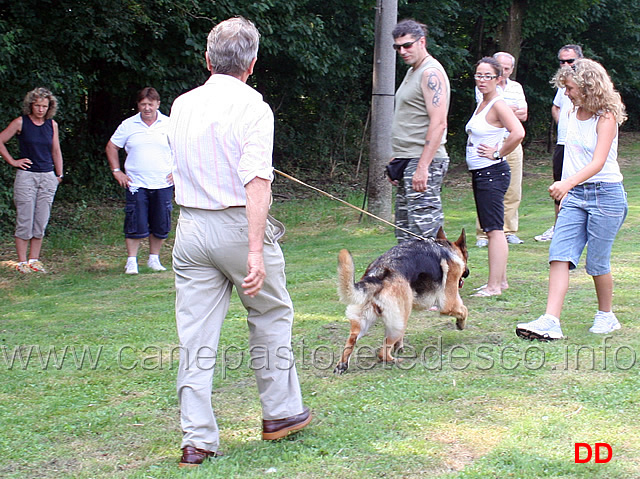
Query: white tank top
(481, 132)
(579, 147)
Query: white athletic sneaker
(546, 236)
(513, 239)
(604, 323)
(154, 264)
(545, 328)
(131, 267)
(36, 265)
(24, 267)
(481, 243)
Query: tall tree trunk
(384, 68)
(510, 39)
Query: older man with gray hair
(221, 135)
(560, 109)
(513, 95)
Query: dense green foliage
(314, 68)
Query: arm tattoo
(434, 83)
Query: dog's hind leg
(385, 352)
(361, 317)
(354, 334)
(395, 304)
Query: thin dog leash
(328, 195)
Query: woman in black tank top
(38, 172)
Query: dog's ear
(440, 235)
(462, 240)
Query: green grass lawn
(88, 359)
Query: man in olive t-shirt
(419, 133)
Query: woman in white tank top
(593, 200)
(486, 149)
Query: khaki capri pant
(33, 194)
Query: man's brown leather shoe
(192, 456)
(273, 429)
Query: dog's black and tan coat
(414, 274)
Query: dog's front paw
(341, 368)
(461, 317)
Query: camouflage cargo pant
(420, 213)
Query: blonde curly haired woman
(593, 199)
(38, 173)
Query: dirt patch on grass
(461, 453)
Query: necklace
(419, 64)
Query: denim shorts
(489, 186)
(591, 215)
(148, 211)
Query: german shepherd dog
(418, 273)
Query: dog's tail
(346, 278)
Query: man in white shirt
(560, 109)
(147, 178)
(513, 95)
(221, 135)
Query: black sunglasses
(569, 61)
(397, 47)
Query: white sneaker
(131, 267)
(546, 236)
(154, 264)
(24, 267)
(481, 243)
(36, 265)
(604, 323)
(513, 239)
(545, 328)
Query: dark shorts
(489, 186)
(557, 160)
(148, 212)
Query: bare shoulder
(501, 105)
(434, 87)
(16, 124)
(15, 127)
(503, 110)
(607, 124)
(606, 118)
(432, 77)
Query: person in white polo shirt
(562, 106)
(146, 177)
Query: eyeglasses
(569, 61)
(485, 77)
(407, 45)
